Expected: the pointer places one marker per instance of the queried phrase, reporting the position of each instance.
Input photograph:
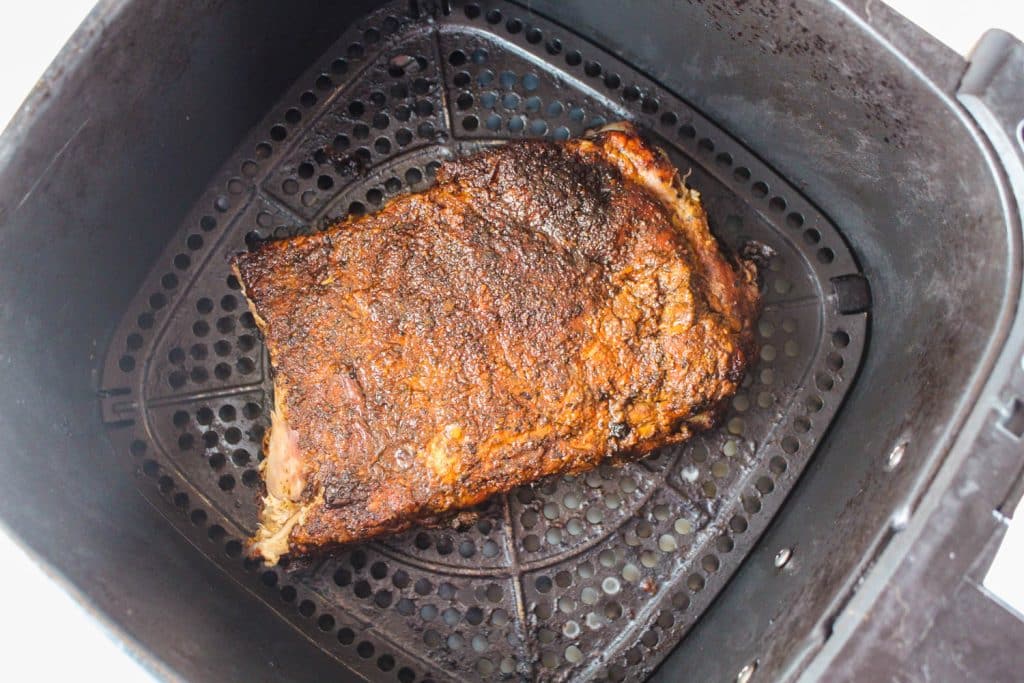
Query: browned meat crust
(544, 307)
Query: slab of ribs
(544, 308)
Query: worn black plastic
(854, 108)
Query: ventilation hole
(338, 67)
(198, 517)
(233, 548)
(649, 639)
(724, 544)
(759, 189)
(812, 236)
(413, 176)
(240, 456)
(226, 482)
(706, 145)
(742, 174)
(355, 51)
(764, 485)
(493, 16)
(834, 362)
(341, 143)
(356, 108)
(263, 150)
(573, 58)
(470, 123)
(560, 133)
(342, 577)
(826, 255)
(216, 533)
(346, 636)
(424, 108)
(687, 131)
(385, 662)
(278, 133)
(457, 58)
(493, 122)
(425, 130)
(514, 26)
(738, 524)
(553, 46)
(445, 546)
(840, 339)
(325, 623)
(225, 324)
(222, 347)
(695, 583)
(795, 220)
(824, 382)
(592, 69)
(649, 106)
(752, 504)
(382, 599)
(288, 593)
(777, 465)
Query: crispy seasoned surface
(543, 308)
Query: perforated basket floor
(582, 578)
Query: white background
(36, 610)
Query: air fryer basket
(116, 232)
(588, 577)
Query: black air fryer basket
(835, 526)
